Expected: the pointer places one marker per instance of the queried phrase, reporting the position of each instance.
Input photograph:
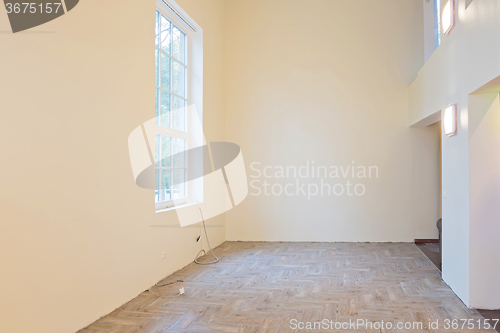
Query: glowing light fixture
(448, 18)
(450, 120)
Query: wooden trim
(420, 241)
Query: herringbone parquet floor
(265, 287)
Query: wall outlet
(164, 255)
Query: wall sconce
(450, 120)
(448, 17)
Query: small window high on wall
(437, 23)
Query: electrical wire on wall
(203, 252)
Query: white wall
(484, 167)
(328, 82)
(78, 237)
(467, 59)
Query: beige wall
(328, 82)
(289, 83)
(77, 236)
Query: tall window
(171, 139)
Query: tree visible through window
(171, 139)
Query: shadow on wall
(426, 152)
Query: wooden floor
(262, 287)
(492, 315)
(431, 250)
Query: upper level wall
(467, 58)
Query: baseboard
(420, 241)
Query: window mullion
(159, 84)
(172, 170)
(171, 71)
(160, 189)
(172, 93)
(171, 85)
(172, 57)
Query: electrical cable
(163, 285)
(181, 290)
(169, 284)
(208, 243)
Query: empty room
(274, 166)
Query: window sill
(167, 209)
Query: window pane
(157, 30)
(179, 153)
(156, 66)
(165, 34)
(165, 109)
(179, 44)
(166, 180)
(157, 185)
(165, 71)
(178, 113)
(180, 183)
(163, 151)
(166, 151)
(179, 79)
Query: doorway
(432, 247)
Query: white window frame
(194, 93)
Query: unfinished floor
(261, 287)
